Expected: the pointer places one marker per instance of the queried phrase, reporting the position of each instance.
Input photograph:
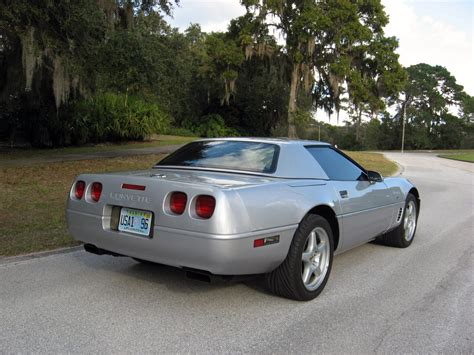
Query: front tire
(303, 274)
(403, 235)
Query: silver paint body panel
(248, 206)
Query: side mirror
(374, 176)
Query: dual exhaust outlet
(192, 274)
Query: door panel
(367, 210)
(367, 207)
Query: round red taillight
(178, 202)
(96, 190)
(79, 189)
(205, 206)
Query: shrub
(116, 117)
(180, 131)
(211, 126)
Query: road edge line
(38, 255)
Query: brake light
(178, 202)
(205, 206)
(79, 189)
(133, 187)
(96, 190)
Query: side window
(336, 166)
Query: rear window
(232, 155)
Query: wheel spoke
(307, 271)
(306, 256)
(311, 242)
(317, 271)
(321, 247)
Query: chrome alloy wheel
(315, 258)
(409, 222)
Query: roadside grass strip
(374, 161)
(466, 157)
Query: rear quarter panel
(284, 204)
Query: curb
(37, 255)
(400, 168)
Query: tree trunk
(358, 122)
(404, 120)
(129, 15)
(295, 79)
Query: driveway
(378, 299)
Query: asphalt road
(378, 299)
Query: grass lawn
(159, 140)
(33, 200)
(467, 156)
(374, 161)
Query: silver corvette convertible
(244, 206)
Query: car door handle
(344, 194)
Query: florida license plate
(135, 221)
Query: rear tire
(403, 235)
(303, 274)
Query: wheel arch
(414, 192)
(328, 213)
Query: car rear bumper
(217, 254)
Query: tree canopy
(74, 72)
(333, 48)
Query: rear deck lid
(209, 178)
